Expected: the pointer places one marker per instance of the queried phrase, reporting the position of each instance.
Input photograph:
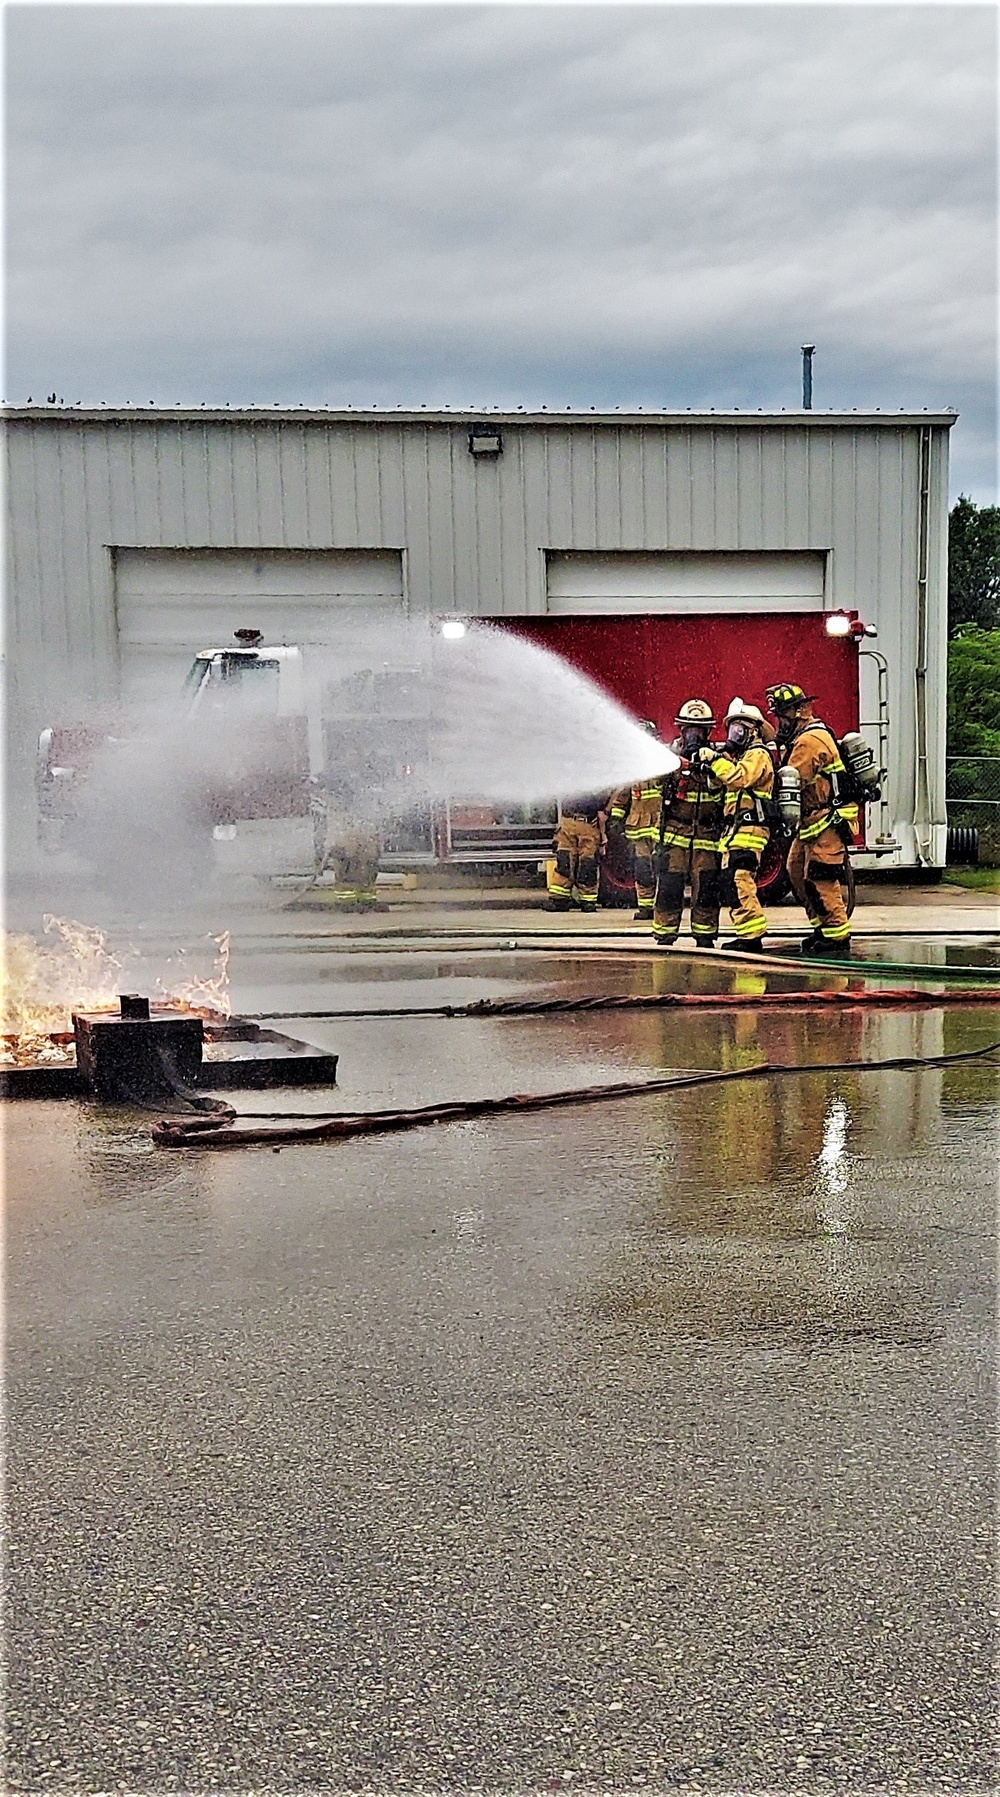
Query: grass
(976, 879)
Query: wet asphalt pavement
(651, 1443)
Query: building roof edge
(425, 415)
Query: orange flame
(41, 987)
(205, 996)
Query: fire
(206, 997)
(42, 985)
(40, 988)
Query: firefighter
(578, 840)
(746, 770)
(346, 842)
(817, 859)
(636, 810)
(690, 835)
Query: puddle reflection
(811, 1209)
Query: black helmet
(787, 696)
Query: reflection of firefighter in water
(752, 1234)
(759, 1142)
(690, 835)
(635, 811)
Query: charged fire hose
(612, 943)
(629, 1001)
(299, 1127)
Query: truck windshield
(196, 676)
(254, 680)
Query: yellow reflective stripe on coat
(827, 820)
(734, 800)
(748, 836)
(680, 838)
(643, 833)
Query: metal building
(664, 553)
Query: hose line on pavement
(300, 1127)
(423, 940)
(630, 1001)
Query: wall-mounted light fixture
(485, 439)
(453, 629)
(847, 623)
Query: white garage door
(171, 603)
(684, 581)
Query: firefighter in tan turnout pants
(636, 809)
(746, 770)
(577, 844)
(690, 835)
(817, 859)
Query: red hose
(215, 1132)
(901, 998)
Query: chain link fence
(973, 796)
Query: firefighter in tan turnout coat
(690, 835)
(817, 860)
(745, 768)
(636, 810)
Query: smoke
(378, 723)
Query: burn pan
(237, 1055)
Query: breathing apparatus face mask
(739, 735)
(785, 728)
(693, 738)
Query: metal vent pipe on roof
(808, 350)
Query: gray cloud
(503, 204)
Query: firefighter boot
(644, 868)
(748, 945)
(669, 897)
(822, 949)
(558, 904)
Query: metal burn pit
(147, 1055)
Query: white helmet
(751, 714)
(695, 711)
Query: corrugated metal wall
(473, 530)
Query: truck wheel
(51, 834)
(150, 855)
(773, 883)
(616, 889)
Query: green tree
(973, 565)
(974, 712)
(974, 693)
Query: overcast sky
(505, 205)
